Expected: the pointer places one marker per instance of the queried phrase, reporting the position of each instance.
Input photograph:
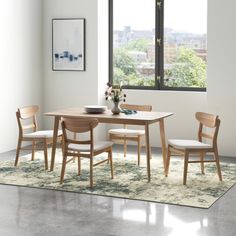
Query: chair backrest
(78, 125)
(136, 107)
(209, 121)
(26, 118)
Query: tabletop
(141, 117)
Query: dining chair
(208, 130)
(125, 134)
(83, 146)
(28, 132)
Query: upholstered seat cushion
(42, 134)
(86, 147)
(126, 132)
(190, 144)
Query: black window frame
(159, 52)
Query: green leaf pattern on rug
(130, 180)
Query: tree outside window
(152, 41)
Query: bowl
(95, 109)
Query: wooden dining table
(140, 118)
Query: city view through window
(184, 47)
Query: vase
(116, 109)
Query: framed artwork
(68, 44)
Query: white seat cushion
(127, 132)
(42, 134)
(86, 147)
(190, 144)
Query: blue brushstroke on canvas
(67, 56)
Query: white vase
(116, 109)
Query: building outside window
(158, 44)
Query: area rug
(130, 180)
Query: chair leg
(62, 146)
(79, 166)
(150, 152)
(202, 155)
(33, 150)
(186, 157)
(74, 137)
(63, 168)
(45, 147)
(146, 149)
(110, 138)
(167, 161)
(18, 151)
(139, 150)
(218, 164)
(91, 172)
(111, 164)
(125, 147)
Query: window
(156, 44)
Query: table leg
(54, 144)
(148, 151)
(163, 142)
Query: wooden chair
(83, 148)
(28, 132)
(125, 134)
(188, 147)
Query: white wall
(102, 60)
(221, 95)
(71, 88)
(75, 89)
(21, 76)
(20, 60)
(102, 48)
(183, 104)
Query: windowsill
(166, 89)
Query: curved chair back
(27, 113)
(78, 125)
(209, 121)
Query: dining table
(141, 118)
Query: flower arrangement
(114, 93)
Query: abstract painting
(68, 44)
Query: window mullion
(159, 44)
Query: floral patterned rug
(130, 180)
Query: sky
(180, 15)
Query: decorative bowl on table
(95, 109)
